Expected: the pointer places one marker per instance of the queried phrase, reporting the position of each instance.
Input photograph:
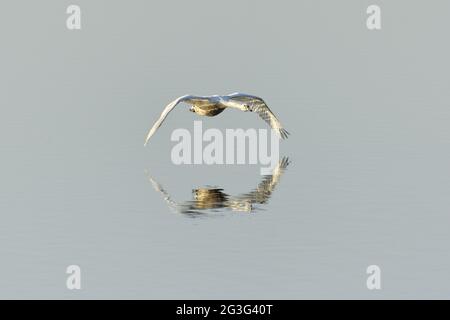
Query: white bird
(211, 106)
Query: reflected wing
(265, 188)
(256, 104)
(190, 208)
(158, 188)
(164, 114)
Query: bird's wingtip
(284, 134)
(147, 139)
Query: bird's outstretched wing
(257, 104)
(164, 114)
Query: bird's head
(245, 107)
(192, 109)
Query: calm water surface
(367, 180)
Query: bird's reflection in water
(209, 199)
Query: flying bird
(211, 106)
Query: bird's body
(208, 110)
(211, 106)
